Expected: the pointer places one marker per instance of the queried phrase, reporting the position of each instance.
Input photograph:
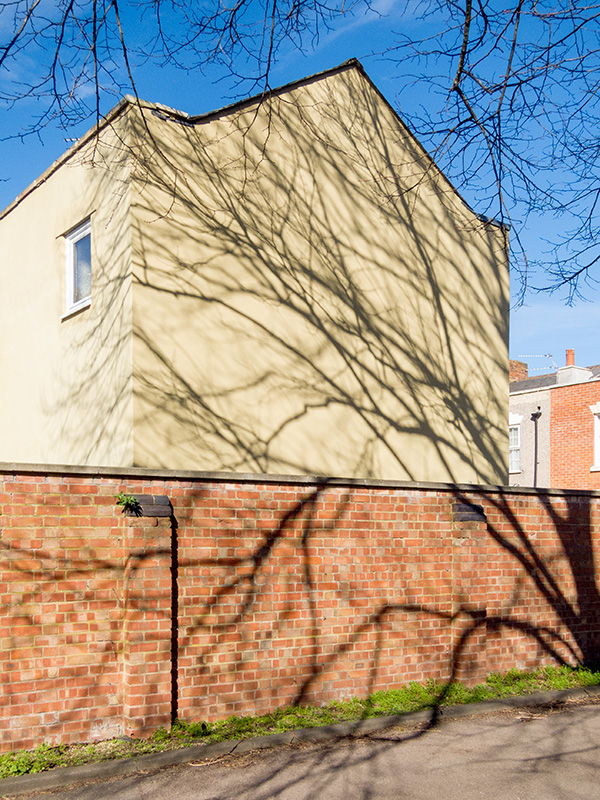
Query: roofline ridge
(130, 100)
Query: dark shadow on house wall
(309, 296)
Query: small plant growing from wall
(129, 504)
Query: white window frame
(595, 409)
(514, 422)
(71, 239)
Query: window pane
(514, 436)
(514, 461)
(82, 268)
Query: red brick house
(554, 427)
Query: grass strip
(413, 697)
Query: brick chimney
(517, 371)
(570, 373)
(570, 358)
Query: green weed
(412, 697)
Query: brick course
(276, 592)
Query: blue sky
(196, 92)
(544, 324)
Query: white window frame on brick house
(595, 409)
(514, 445)
(78, 267)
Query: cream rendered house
(287, 286)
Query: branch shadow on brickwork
(241, 589)
(561, 634)
(315, 606)
(551, 554)
(68, 619)
(578, 609)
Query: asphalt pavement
(541, 749)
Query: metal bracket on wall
(464, 511)
(151, 505)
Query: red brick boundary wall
(259, 592)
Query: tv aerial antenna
(543, 355)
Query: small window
(514, 448)
(79, 267)
(596, 412)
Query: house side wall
(275, 592)
(572, 436)
(312, 297)
(524, 405)
(66, 382)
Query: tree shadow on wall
(536, 595)
(572, 565)
(309, 296)
(294, 614)
(68, 620)
(230, 624)
(550, 554)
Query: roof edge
(167, 112)
(482, 217)
(593, 379)
(351, 63)
(114, 112)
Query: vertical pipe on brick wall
(174, 620)
(535, 417)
